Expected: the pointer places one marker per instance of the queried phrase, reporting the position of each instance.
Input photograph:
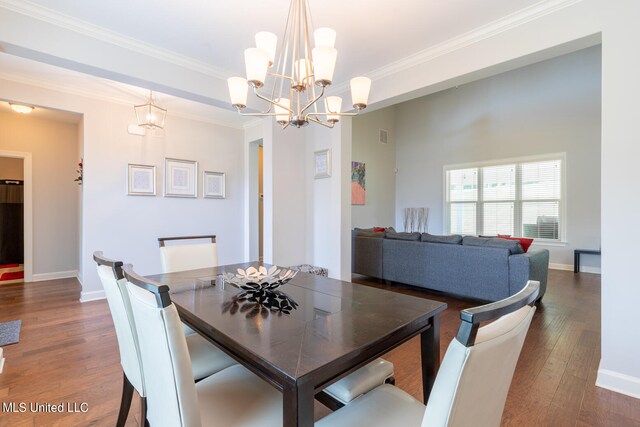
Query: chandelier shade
(150, 115)
(293, 82)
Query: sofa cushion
(494, 242)
(403, 236)
(524, 241)
(453, 239)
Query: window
(519, 198)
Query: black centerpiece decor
(259, 289)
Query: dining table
(335, 328)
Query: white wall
(54, 147)
(126, 227)
(380, 163)
(329, 199)
(549, 107)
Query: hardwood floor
(68, 353)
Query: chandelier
(298, 79)
(150, 115)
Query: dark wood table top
(336, 322)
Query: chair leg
(143, 412)
(125, 402)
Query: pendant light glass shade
(333, 104)
(282, 114)
(360, 87)
(268, 42)
(324, 37)
(324, 63)
(256, 62)
(150, 115)
(238, 91)
(302, 70)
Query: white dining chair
(188, 256)
(472, 383)
(206, 359)
(231, 397)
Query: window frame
(518, 201)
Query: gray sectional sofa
(482, 268)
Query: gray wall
(380, 162)
(549, 107)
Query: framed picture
(213, 185)
(358, 188)
(180, 178)
(141, 180)
(322, 163)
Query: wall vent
(384, 136)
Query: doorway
(256, 201)
(11, 220)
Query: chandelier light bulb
(324, 37)
(268, 42)
(360, 87)
(256, 63)
(238, 91)
(324, 64)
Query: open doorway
(11, 220)
(256, 201)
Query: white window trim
(562, 232)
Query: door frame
(27, 167)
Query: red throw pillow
(378, 229)
(524, 242)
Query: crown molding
(463, 40)
(50, 16)
(74, 90)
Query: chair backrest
(171, 394)
(114, 284)
(189, 256)
(474, 378)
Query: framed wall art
(322, 163)
(141, 180)
(213, 185)
(180, 178)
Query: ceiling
(371, 33)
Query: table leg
(576, 261)
(297, 405)
(430, 354)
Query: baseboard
(92, 296)
(569, 267)
(620, 383)
(53, 276)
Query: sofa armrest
(366, 256)
(533, 265)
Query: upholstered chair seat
(472, 383)
(361, 381)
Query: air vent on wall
(384, 136)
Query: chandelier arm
(257, 114)
(270, 101)
(282, 76)
(320, 122)
(312, 102)
(331, 113)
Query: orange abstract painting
(358, 188)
